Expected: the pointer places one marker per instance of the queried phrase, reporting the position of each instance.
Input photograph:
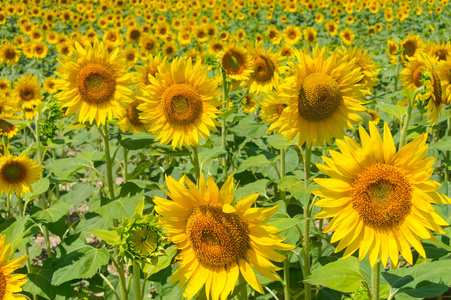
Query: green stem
(196, 163)
(120, 268)
(110, 285)
(225, 98)
(282, 170)
(8, 213)
(137, 279)
(109, 168)
(125, 164)
(307, 286)
(402, 140)
(286, 275)
(375, 280)
(396, 74)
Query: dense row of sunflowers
(223, 96)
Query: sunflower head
(236, 63)
(379, 199)
(93, 82)
(218, 240)
(432, 91)
(17, 174)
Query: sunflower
(169, 50)
(368, 68)
(310, 34)
(272, 108)
(6, 128)
(292, 34)
(218, 241)
(249, 104)
(93, 82)
(441, 50)
(10, 284)
(375, 117)
(17, 174)
(180, 103)
(444, 72)
(27, 92)
(323, 97)
(332, 28)
(236, 62)
(133, 35)
(49, 85)
(392, 51)
(411, 46)
(39, 50)
(411, 74)
(5, 84)
(150, 68)
(9, 54)
(432, 91)
(286, 51)
(149, 44)
(267, 70)
(380, 200)
(347, 36)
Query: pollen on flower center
(218, 238)
(96, 83)
(382, 195)
(319, 97)
(263, 69)
(182, 104)
(13, 172)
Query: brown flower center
(133, 113)
(2, 285)
(218, 239)
(416, 76)
(96, 83)
(319, 97)
(13, 172)
(182, 104)
(382, 195)
(233, 62)
(10, 53)
(409, 48)
(6, 127)
(27, 93)
(263, 69)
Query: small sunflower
(441, 50)
(267, 70)
(218, 241)
(5, 84)
(6, 128)
(27, 92)
(17, 174)
(249, 104)
(169, 50)
(49, 85)
(411, 74)
(10, 284)
(432, 92)
(379, 199)
(292, 34)
(347, 36)
(129, 115)
(332, 28)
(411, 46)
(9, 54)
(392, 51)
(272, 108)
(150, 68)
(310, 34)
(323, 97)
(181, 103)
(236, 62)
(93, 82)
(444, 73)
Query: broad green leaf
(136, 144)
(170, 152)
(394, 110)
(206, 154)
(258, 186)
(278, 142)
(119, 209)
(427, 280)
(248, 127)
(65, 167)
(52, 214)
(252, 162)
(287, 223)
(39, 283)
(343, 275)
(227, 112)
(38, 188)
(443, 144)
(109, 236)
(15, 232)
(78, 193)
(79, 264)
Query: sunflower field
(217, 149)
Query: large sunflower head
(17, 174)
(27, 92)
(236, 62)
(93, 82)
(181, 103)
(322, 97)
(411, 46)
(379, 199)
(411, 74)
(10, 283)
(218, 241)
(267, 70)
